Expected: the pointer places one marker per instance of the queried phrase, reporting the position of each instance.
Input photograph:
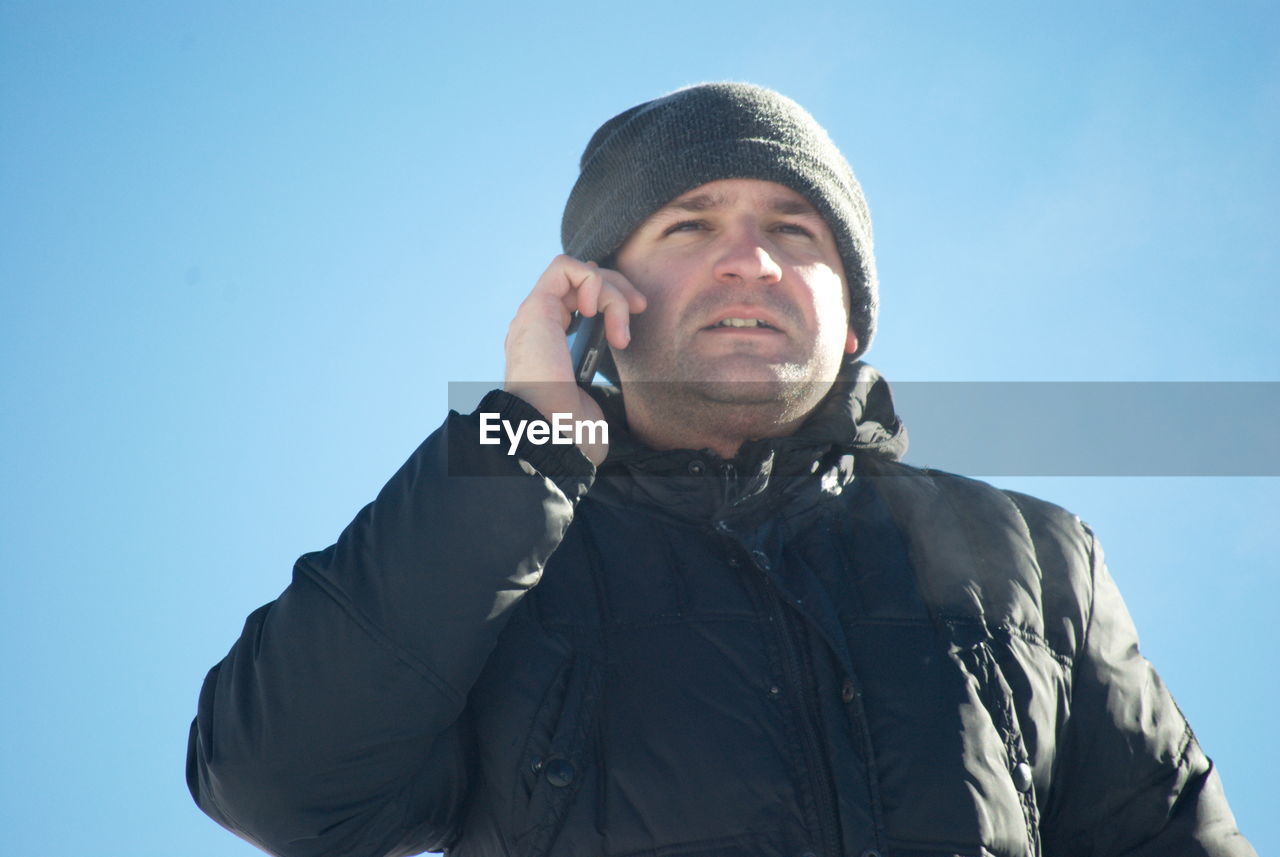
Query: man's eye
(685, 226)
(795, 229)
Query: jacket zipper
(729, 479)
(792, 640)
(791, 635)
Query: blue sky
(244, 248)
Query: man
(736, 626)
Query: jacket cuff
(562, 463)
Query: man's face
(746, 299)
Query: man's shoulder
(981, 551)
(973, 502)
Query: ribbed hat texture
(645, 157)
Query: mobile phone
(586, 347)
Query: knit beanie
(645, 157)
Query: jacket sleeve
(337, 722)
(1133, 780)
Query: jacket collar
(856, 418)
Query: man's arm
(336, 723)
(1133, 780)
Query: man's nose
(745, 257)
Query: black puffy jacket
(812, 650)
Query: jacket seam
(656, 621)
(1093, 592)
(357, 617)
(695, 845)
(1027, 636)
(1188, 738)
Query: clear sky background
(245, 247)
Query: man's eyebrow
(698, 202)
(708, 201)
(790, 205)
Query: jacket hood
(857, 418)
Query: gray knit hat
(645, 157)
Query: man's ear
(850, 342)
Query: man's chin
(745, 382)
(736, 392)
(711, 391)
(755, 383)
(779, 395)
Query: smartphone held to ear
(586, 347)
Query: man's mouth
(742, 322)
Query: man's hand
(538, 366)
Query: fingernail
(627, 331)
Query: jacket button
(761, 561)
(560, 772)
(696, 467)
(871, 852)
(1022, 776)
(847, 693)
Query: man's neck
(721, 428)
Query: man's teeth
(741, 322)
